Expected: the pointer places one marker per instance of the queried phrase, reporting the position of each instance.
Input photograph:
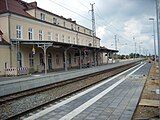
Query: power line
(84, 5)
(117, 29)
(88, 18)
(70, 10)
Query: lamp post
(157, 18)
(152, 19)
(135, 49)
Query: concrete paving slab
(122, 96)
(28, 82)
(148, 102)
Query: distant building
(34, 39)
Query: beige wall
(5, 58)
(15, 20)
(4, 26)
(26, 49)
(26, 23)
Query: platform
(10, 86)
(115, 98)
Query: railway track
(14, 105)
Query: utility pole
(154, 37)
(157, 17)
(94, 32)
(93, 23)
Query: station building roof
(63, 45)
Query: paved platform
(115, 98)
(148, 102)
(20, 84)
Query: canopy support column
(44, 48)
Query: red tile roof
(16, 6)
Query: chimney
(33, 4)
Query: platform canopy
(62, 45)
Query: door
(49, 61)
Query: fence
(16, 71)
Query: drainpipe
(11, 45)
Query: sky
(127, 19)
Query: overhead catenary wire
(90, 19)
(70, 10)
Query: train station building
(35, 40)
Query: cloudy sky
(124, 18)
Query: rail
(11, 105)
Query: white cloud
(112, 17)
(144, 38)
(101, 31)
(132, 28)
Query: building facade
(38, 40)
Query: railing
(13, 71)
(22, 71)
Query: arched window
(19, 59)
(31, 60)
(49, 61)
(41, 59)
(57, 59)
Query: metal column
(44, 48)
(65, 60)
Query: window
(64, 24)
(31, 60)
(57, 59)
(72, 26)
(56, 37)
(19, 59)
(41, 59)
(19, 32)
(54, 21)
(69, 39)
(49, 61)
(40, 35)
(74, 40)
(78, 29)
(42, 15)
(84, 30)
(30, 34)
(49, 36)
(63, 38)
(77, 40)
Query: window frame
(42, 16)
(49, 35)
(19, 32)
(31, 60)
(41, 35)
(54, 20)
(30, 33)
